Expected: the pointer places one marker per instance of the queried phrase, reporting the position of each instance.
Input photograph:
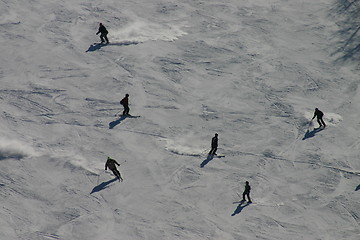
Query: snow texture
(251, 71)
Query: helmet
(127, 95)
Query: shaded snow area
(252, 71)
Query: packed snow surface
(252, 71)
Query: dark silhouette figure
(319, 115)
(125, 103)
(214, 145)
(111, 164)
(103, 33)
(247, 192)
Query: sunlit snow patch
(142, 31)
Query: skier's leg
(127, 109)
(211, 151)
(115, 173)
(318, 120)
(323, 122)
(119, 175)
(106, 38)
(248, 197)
(102, 38)
(244, 196)
(215, 149)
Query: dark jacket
(247, 188)
(102, 30)
(214, 142)
(110, 163)
(125, 101)
(318, 114)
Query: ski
(242, 201)
(215, 156)
(126, 116)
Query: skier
(319, 115)
(247, 192)
(104, 32)
(110, 163)
(125, 103)
(214, 145)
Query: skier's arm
(105, 166)
(314, 116)
(117, 163)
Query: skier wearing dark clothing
(125, 103)
(247, 192)
(104, 32)
(111, 164)
(319, 115)
(214, 145)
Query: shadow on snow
(240, 207)
(118, 121)
(103, 185)
(207, 160)
(357, 188)
(310, 134)
(97, 46)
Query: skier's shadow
(94, 47)
(240, 207)
(116, 122)
(207, 160)
(97, 46)
(102, 186)
(122, 118)
(310, 134)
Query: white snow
(251, 71)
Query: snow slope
(252, 71)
